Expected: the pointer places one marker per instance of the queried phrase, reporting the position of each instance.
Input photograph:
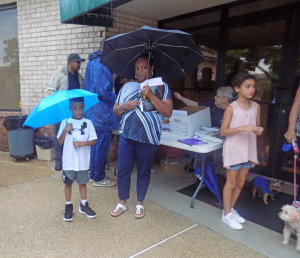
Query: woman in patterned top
(139, 134)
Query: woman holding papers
(140, 131)
(217, 106)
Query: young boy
(77, 134)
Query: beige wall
(44, 44)
(124, 22)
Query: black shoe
(85, 209)
(58, 166)
(68, 216)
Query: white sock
(70, 202)
(83, 202)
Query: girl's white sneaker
(231, 221)
(238, 217)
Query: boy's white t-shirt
(79, 158)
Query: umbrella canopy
(210, 179)
(54, 108)
(174, 52)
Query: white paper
(209, 129)
(157, 81)
(179, 112)
(207, 133)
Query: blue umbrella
(55, 108)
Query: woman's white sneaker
(230, 220)
(238, 217)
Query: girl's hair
(239, 78)
(146, 57)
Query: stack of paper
(211, 134)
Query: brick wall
(44, 44)
(124, 22)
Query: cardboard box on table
(189, 119)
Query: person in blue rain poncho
(98, 79)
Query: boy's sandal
(139, 211)
(118, 210)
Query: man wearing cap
(65, 78)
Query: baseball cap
(75, 57)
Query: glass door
(256, 48)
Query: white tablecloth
(169, 139)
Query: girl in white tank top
(241, 125)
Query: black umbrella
(174, 52)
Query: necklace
(245, 110)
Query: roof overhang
(164, 9)
(91, 12)
(99, 12)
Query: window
(9, 59)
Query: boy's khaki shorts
(81, 177)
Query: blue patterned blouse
(136, 125)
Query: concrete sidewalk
(32, 225)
